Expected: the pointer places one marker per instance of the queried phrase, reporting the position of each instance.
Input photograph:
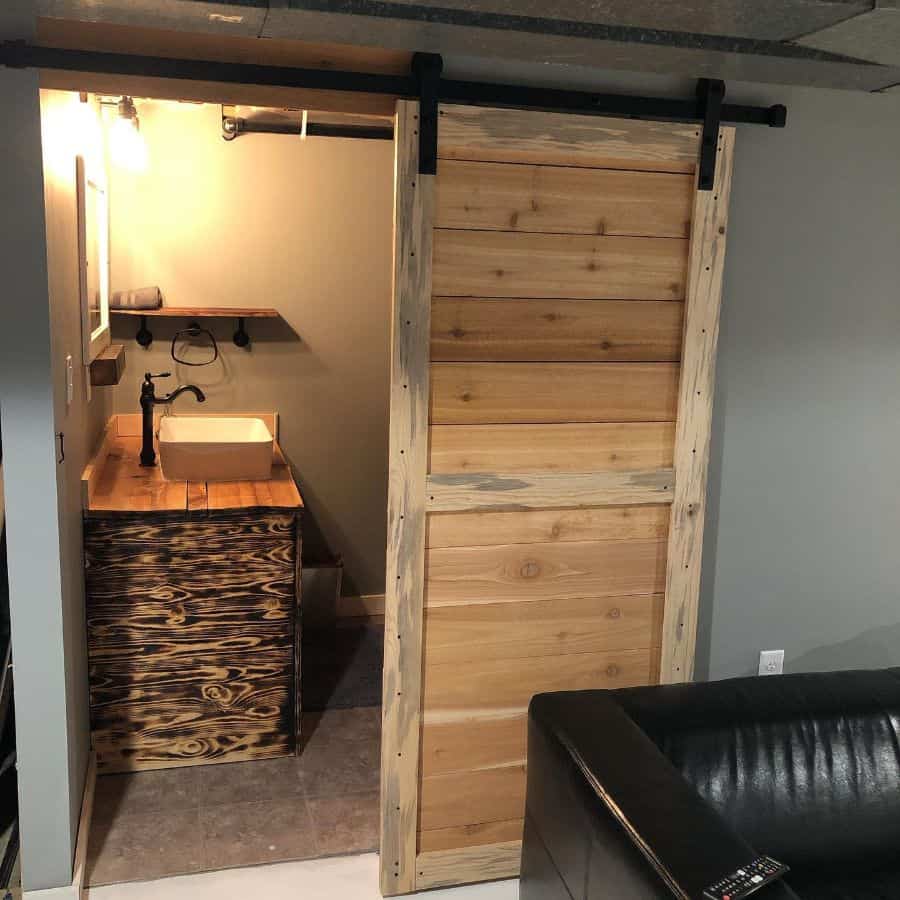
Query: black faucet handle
(148, 377)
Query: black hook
(241, 338)
(144, 336)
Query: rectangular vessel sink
(201, 448)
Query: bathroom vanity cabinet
(192, 597)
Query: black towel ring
(194, 331)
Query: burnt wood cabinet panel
(193, 636)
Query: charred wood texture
(192, 636)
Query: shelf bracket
(710, 94)
(240, 337)
(427, 69)
(144, 336)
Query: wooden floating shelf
(144, 336)
(201, 312)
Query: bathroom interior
(234, 531)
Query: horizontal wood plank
(200, 723)
(509, 393)
(202, 312)
(488, 862)
(588, 447)
(497, 686)
(563, 200)
(535, 526)
(556, 627)
(517, 330)
(510, 264)
(157, 681)
(447, 746)
(529, 572)
(465, 836)
(541, 490)
(463, 798)
(512, 135)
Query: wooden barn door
(557, 290)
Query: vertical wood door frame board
(414, 197)
(694, 423)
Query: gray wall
(301, 226)
(40, 327)
(801, 544)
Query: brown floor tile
(141, 792)
(247, 782)
(330, 770)
(337, 726)
(251, 833)
(143, 846)
(347, 824)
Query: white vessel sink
(212, 448)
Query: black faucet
(148, 401)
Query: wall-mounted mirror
(93, 257)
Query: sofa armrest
(642, 798)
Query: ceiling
(848, 44)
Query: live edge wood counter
(192, 598)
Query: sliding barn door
(557, 289)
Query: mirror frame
(96, 341)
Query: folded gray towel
(142, 298)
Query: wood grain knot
(217, 693)
(612, 670)
(530, 569)
(615, 613)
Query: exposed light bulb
(127, 146)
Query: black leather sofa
(660, 792)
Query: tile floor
(149, 825)
(343, 878)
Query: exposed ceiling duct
(849, 44)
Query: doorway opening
(235, 626)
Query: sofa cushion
(877, 886)
(805, 768)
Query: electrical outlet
(771, 662)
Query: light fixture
(128, 111)
(127, 146)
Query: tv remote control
(746, 880)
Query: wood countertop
(115, 481)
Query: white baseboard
(75, 890)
